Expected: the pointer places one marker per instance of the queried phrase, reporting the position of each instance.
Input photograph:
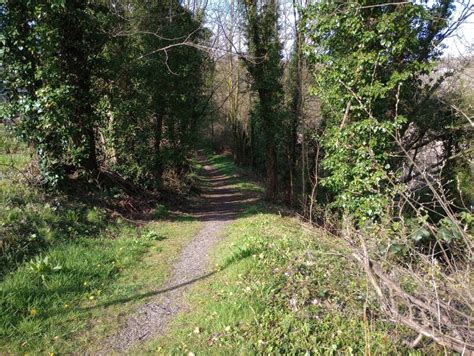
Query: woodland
(320, 152)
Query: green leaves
(267, 115)
(367, 62)
(154, 101)
(48, 70)
(70, 80)
(43, 267)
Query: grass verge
(86, 287)
(69, 274)
(279, 291)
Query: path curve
(217, 206)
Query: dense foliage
(91, 86)
(370, 62)
(265, 69)
(51, 55)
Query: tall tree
(264, 66)
(52, 52)
(156, 111)
(370, 60)
(122, 84)
(296, 105)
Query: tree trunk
(90, 163)
(157, 145)
(272, 176)
(296, 108)
(77, 71)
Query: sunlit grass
(277, 291)
(225, 164)
(14, 154)
(98, 281)
(68, 271)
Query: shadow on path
(219, 204)
(151, 293)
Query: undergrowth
(31, 220)
(69, 271)
(74, 294)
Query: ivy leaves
(366, 63)
(81, 95)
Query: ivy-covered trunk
(266, 72)
(75, 48)
(272, 169)
(370, 63)
(159, 168)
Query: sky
(463, 40)
(461, 43)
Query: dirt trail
(216, 207)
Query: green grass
(225, 164)
(22, 229)
(98, 282)
(13, 154)
(39, 313)
(279, 290)
(137, 284)
(68, 272)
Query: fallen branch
(418, 312)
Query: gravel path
(216, 207)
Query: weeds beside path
(260, 285)
(219, 203)
(281, 289)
